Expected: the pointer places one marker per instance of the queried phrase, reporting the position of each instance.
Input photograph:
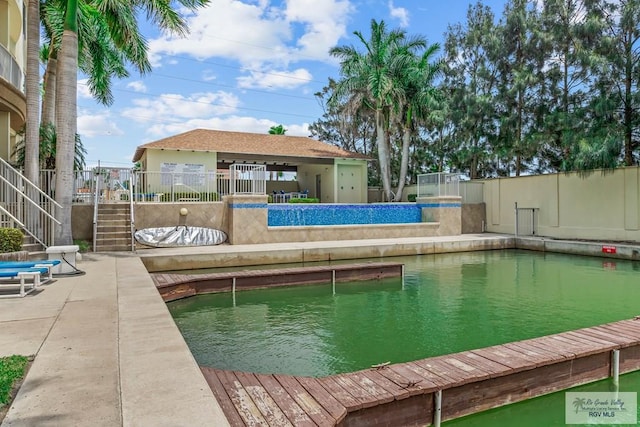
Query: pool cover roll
(181, 235)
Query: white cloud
(400, 13)
(232, 123)
(83, 89)
(258, 35)
(275, 79)
(101, 124)
(137, 86)
(176, 107)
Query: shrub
(412, 197)
(83, 245)
(10, 240)
(305, 200)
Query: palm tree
(66, 121)
(117, 14)
(418, 96)
(32, 91)
(373, 76)
(277, 130)
(47, 152)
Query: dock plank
(248, 411)
(404, 378)
(220, 392)
(271, 412)
(296, 415)
(514, 359)
(600, 342)
(363, 389)
(322, 396)
(621, 340)
(391, 387)
(345, 398)
(314, 409)
(617, 331)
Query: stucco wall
(600, 206)
(154, 158)
(307, 179)
(473, 217)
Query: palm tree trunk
(404, 162)
(66, 122)
(32, 92)
(383, 155)
(50, 82)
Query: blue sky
(246, 65)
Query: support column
(247, 215)
(447, 210)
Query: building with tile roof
(327, 172)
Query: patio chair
(21, 278)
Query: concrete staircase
(114, 227)
(35, 249)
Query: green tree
(371, 79)
(472, 78)
(47, 152)
(518, 58)
(277, 130)
(161, 13)
(417, 98)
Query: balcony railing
(10, 70)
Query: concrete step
(114, 229)
(113, 248)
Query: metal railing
(113, 185)
(247, 179)
(179, 186)
(27, 205)
(438, 184)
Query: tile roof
(248, 143)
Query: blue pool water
(343, 214)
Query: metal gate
(526, 221)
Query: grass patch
(12, 369)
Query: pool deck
(107, 352)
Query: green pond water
(447, 303)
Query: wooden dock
(176, 286)
(408, 393)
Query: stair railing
(132, 215)
(95, 208)
(29, 207)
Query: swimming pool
(447, 303)
(342, 214)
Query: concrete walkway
(107, 353)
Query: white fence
(113, 184)
(438, 184)
(247, 179)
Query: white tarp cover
(181, 235)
